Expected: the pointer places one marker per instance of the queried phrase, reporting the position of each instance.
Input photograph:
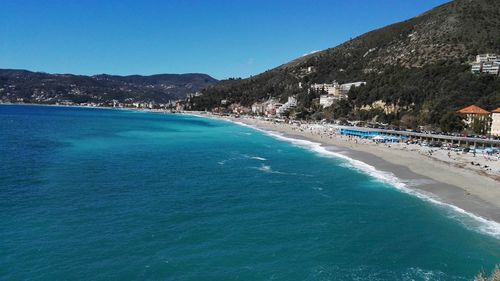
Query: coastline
(465, 191)
(474, 194)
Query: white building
(487, 64)
(490, 68)
(286, 107)
(330, 89)
(486, 57)
(348, 86)
(326, 100)
(495, 122)
(334, 91)
(476, 68)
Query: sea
(102, 194)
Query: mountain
(38, 87)
(418, 68)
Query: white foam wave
(269, 170)
(254, 157)
(265, 168)
(222, 162)
(258, 158)
(468, 219)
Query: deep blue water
(90, 194)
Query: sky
(223, 38)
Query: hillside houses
(272, 107)
(267, 108)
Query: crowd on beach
(480, 160)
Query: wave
(269, 170)
(258, 158)
(468, 219)
(239, 157)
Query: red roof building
(472, 113)
(473, 109)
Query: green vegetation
(38, 87)
(452, 122)
(419, 69)
(428, 93)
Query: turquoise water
(89, 194)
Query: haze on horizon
(221, 38)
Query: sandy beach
(446, 177)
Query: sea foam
(258, 158)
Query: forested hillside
(39, 87)
(418, 68)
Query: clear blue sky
(223, 38)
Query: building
(486, 57)
(472, 112)
(495, 122)
(475, 113)
(271, 107)
(486, 64)
(289, 105)
(329, 89)
(490, 68)
(334, 91)
(258, 108)
(179, 106)
(476, 68)
(348, 86)
(326, 100)
(237, 108)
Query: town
(474, 120)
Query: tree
(452, 122)
(409, 121)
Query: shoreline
(466, 192)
